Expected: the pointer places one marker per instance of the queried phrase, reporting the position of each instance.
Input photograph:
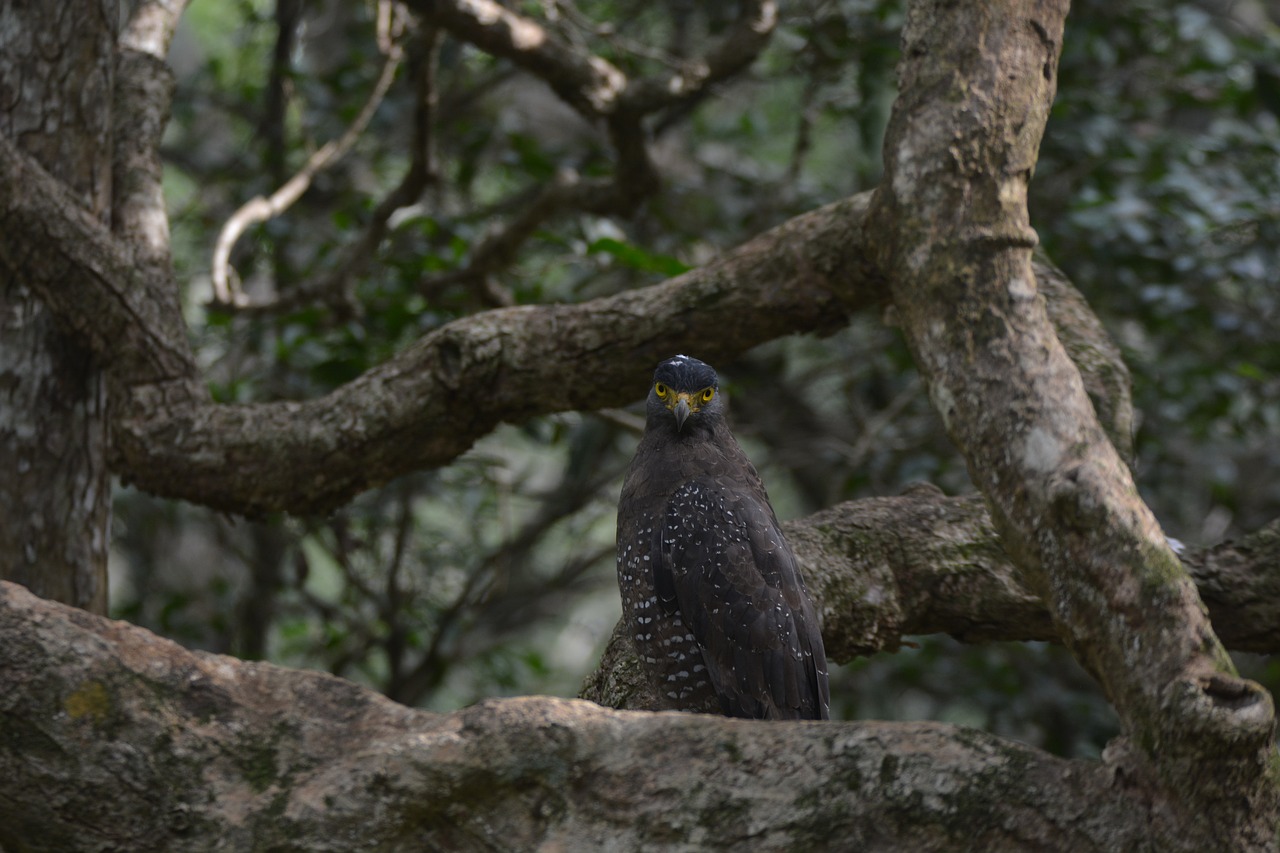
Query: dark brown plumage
(710, 588)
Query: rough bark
(955, 244)
(56, 69)
(1240, 584)
(143, 96)
(112, 738)
(116, 739)
(885, 569)
(428, 404)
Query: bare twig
(227, 290)
(585, 81)
(336, 287)
(738, 49)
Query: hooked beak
(681, 411)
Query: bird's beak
(681, 411)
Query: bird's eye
(707, 394)
(660, 389)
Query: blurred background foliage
(1157, 192)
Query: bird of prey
(711, 592)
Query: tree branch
(139, 217)
(421, 408)
(123, 312)
(739, 47)
(586, 82)
(336, 286)
(883, 569)
(117, 738)
(144, 94)
(1240, 584)
(955, 242)
(433, 400)
(226, 288)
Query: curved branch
(956, 242)
(421, 408)
(227, 290)
(590, 84)
(124, 312)
(336, 286)
(739, 47)
(117, 738)
(883, 569)
(586, 82)
(429, 403)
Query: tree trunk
(56, 75)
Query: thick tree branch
(432, 401)
(139, 216)
(883, 569)
(1239, 581)
(88, 279)
(1095, 354)
(956, 246)
(116, 738)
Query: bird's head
(685, 391)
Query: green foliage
(635, 257)
(1156, 192)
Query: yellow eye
(660, 389)
(707, 394)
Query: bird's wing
(723, 562)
